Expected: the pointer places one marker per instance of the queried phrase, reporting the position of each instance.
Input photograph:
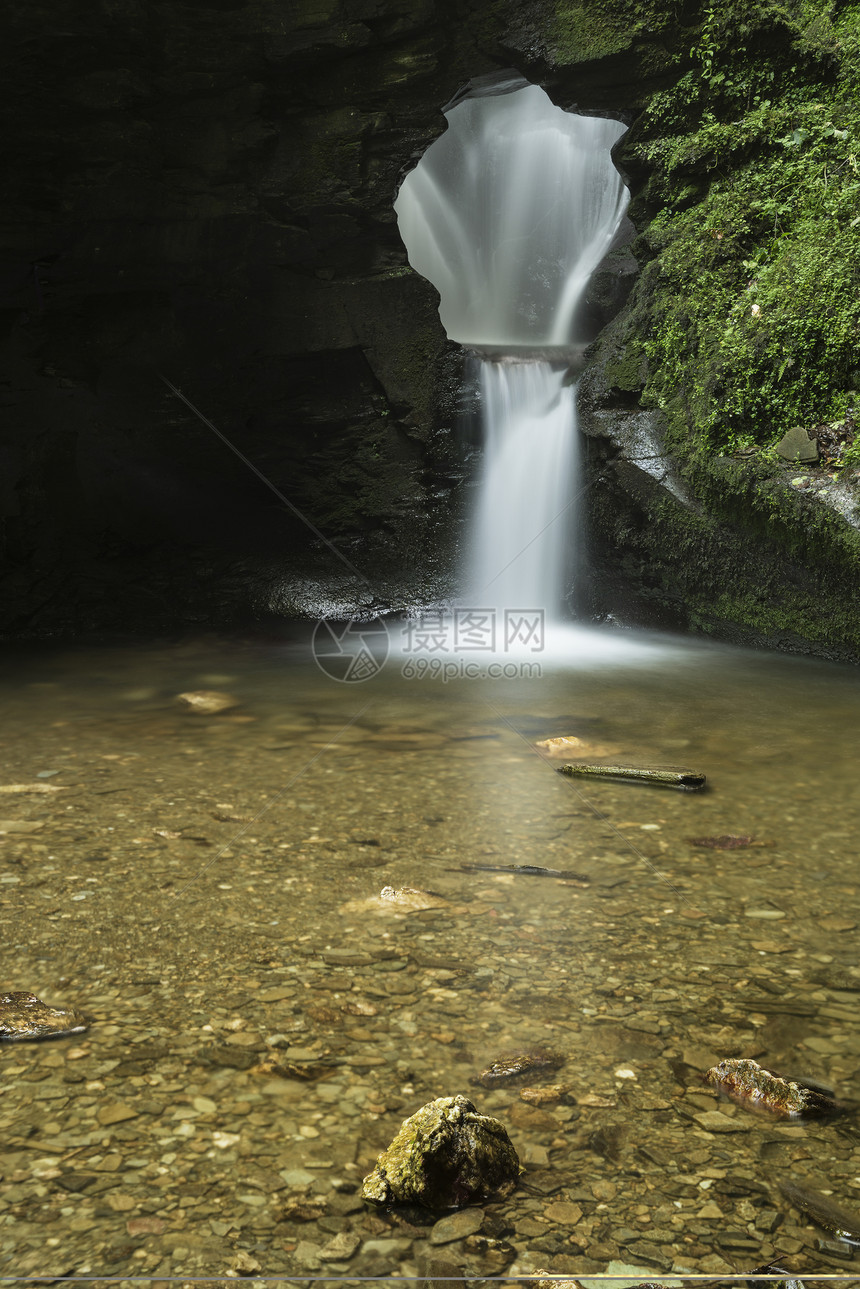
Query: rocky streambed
(205, 891)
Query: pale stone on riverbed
(457, 1226)
(404, 899)
(569, 743)
(207, 701)
(11, 789)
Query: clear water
(204, 888)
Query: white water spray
(508, 214)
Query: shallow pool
(205, 888)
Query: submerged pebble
(406, 899)
(569, 744)
(207, 701)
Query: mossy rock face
(446, 1155)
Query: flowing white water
(525, 502)
(508, 214)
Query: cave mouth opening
(509, 212)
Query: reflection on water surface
(204, 888)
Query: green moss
(628, 371)
(749, 308)
(585, 31)
(761, 561)
(445, 1156)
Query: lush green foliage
(749, 307)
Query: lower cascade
(526, 494)
(508, 214)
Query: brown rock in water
(25, 1017)
(398, 899)
(304, 1208)
(515, 1065)
(446, 1155)
(747, 1083)
(549, 1095)
(727, 841)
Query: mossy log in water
(25, 1017)
(747, 1083)
(687, 779)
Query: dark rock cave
(201, 194)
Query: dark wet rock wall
(203, 192)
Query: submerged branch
(688, 779)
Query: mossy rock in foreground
(446, 1155)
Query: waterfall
(516, 561)
(508, 214)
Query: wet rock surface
(798, 446)
(446, 1155)
(218, 221)
(656, 539)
